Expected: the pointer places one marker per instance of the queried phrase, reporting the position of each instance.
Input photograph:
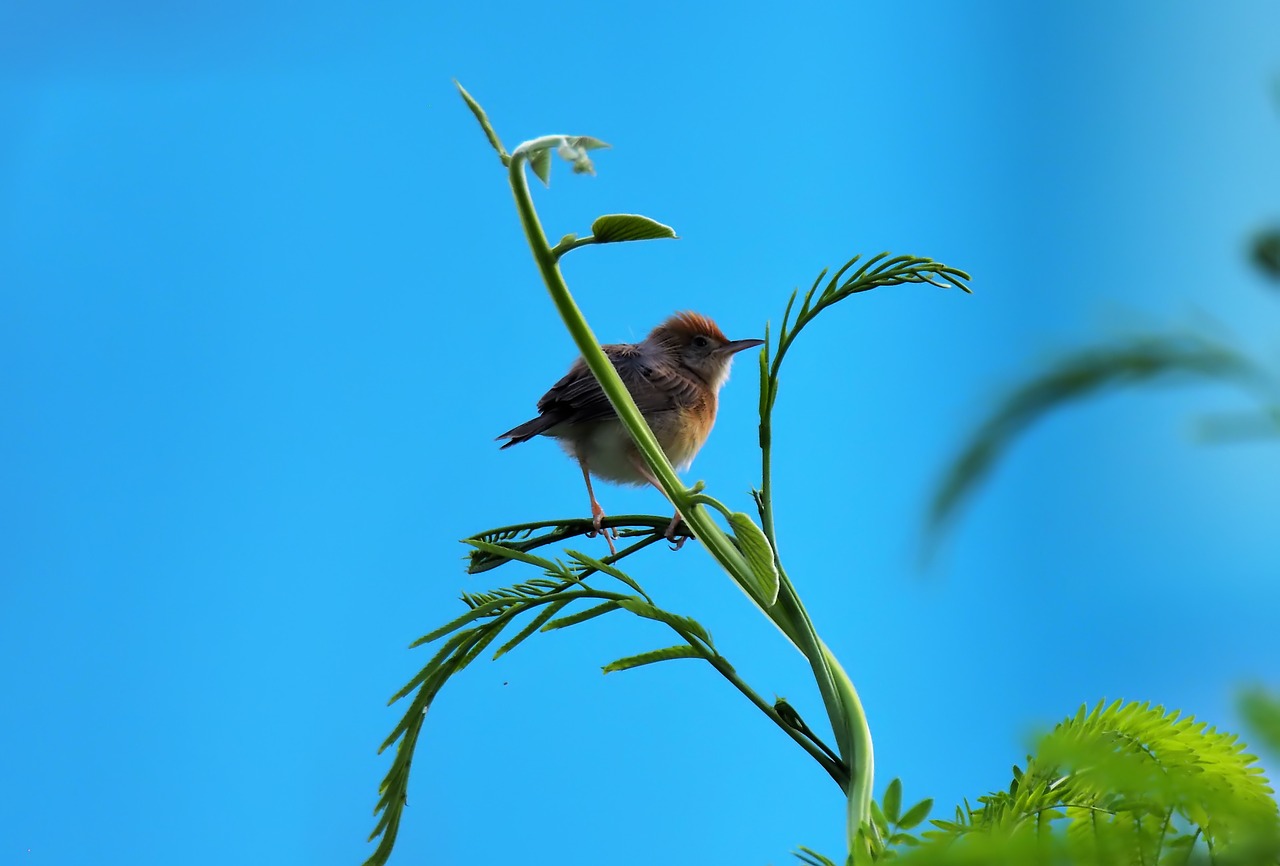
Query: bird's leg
(677, 522)
(670, 534)
(597, 513)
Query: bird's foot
(597, 520)
(677, 526)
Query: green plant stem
(835, 769)
(843, 705)
(567, 246)
(840, 699)
(696, 517)
(588, 345)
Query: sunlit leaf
(916, 814)
(619, 227)
(892, 803)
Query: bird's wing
(655, 388)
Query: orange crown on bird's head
(682, 327)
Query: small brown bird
(675, 377)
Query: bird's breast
(684, 431)
(609, 453)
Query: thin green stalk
(586, 341)
(836, 770)
(704, 528)
(843, 707)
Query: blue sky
(264, 303)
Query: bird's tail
(527, 430)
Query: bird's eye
(701, 342)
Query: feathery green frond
(1134, 361)
(878, 271)
(490, 612)
(526, 537)
(1121, 783)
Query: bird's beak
(735, 346)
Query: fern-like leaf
(1134, 361)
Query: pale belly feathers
(610, 454)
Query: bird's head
(695, 342)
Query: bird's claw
(597, 521)
(677, 523)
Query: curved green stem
(567, 245)
(704, 499)
(848, 721)
(844, 707)
(703, 527)
(588, 345)
(834, 768)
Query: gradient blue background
(264, 303)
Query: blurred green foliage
(1266, 253)
(1124, 783)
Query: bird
(675, 375)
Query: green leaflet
(483, 119)
(581, 616)
(679, 651)
(534, 624)
(915, 814)
(540, 162)
(892, 803)
(759, 555)
(605, 568)
(620, 227)
(511, 553)
(681, 624)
